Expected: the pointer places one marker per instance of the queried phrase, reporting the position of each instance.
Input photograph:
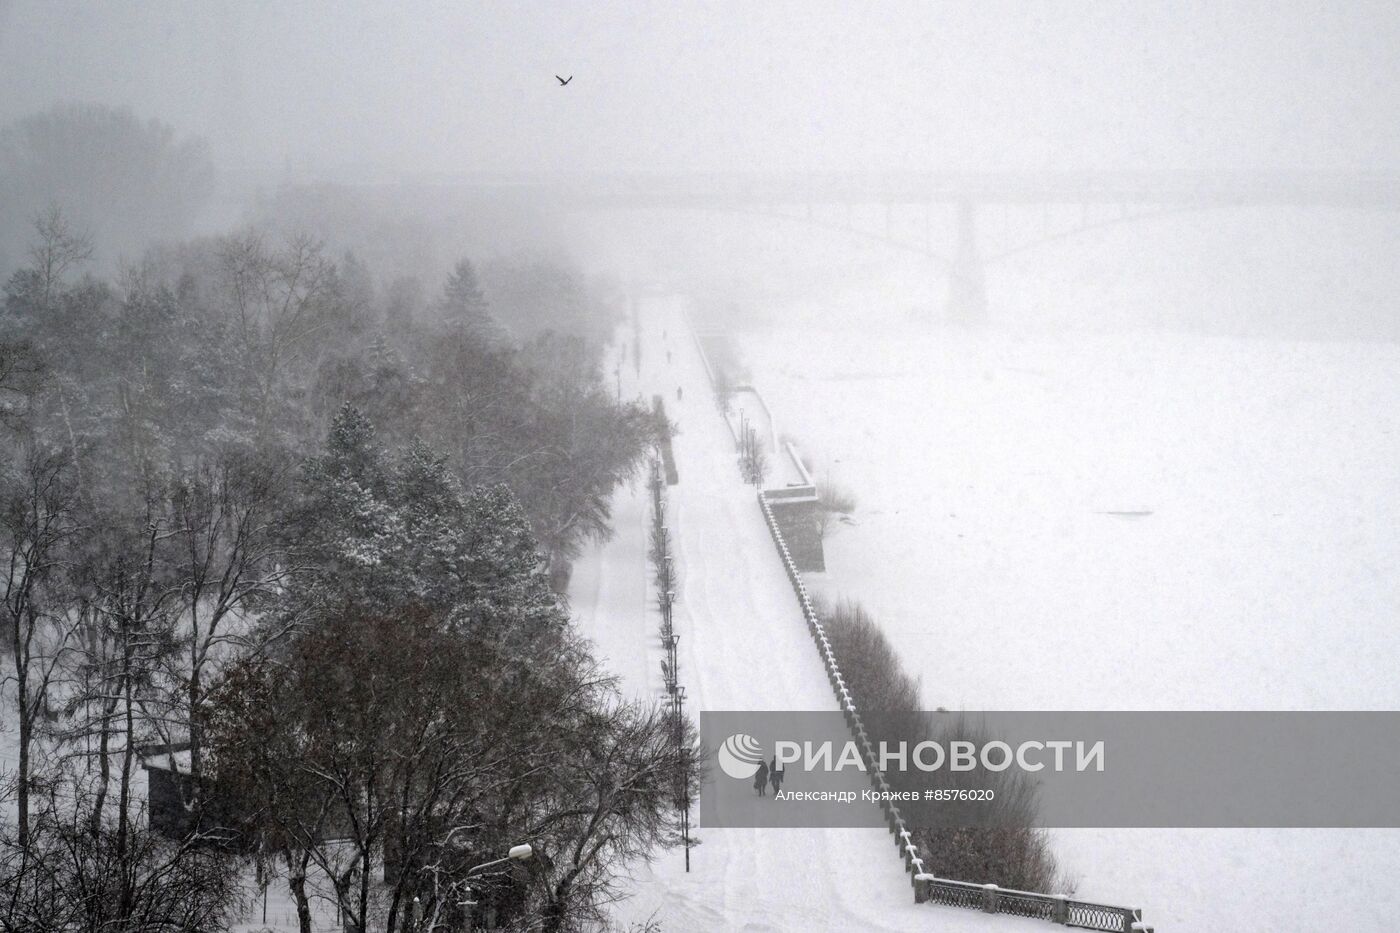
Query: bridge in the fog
(830, 200)
(739, 190)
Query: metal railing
(990, 898)
(1057, 908)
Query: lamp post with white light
(518, 853)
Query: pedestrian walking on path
(775, 774)
(760, 780)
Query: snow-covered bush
(1006, 849)
(836, 498)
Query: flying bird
(563, 81)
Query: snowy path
(743, 646)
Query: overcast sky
(355, 87)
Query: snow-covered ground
(743, 647)
(1126, 522)
(988, 471)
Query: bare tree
(260, 769)
(57, 250)
(833, 499)
(37, 518)
(618, 783)
(753, 458)
(278, 299)
(226, 564)
(71, 878)
(126, 636)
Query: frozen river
(1126, 522)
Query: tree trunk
(296, 880)
(196, 801)
(104, 766)
(124, 787)
(556, 913)
(26, 730)
(349, 922)
(366, 869)
(128, 895)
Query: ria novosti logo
(740, 755)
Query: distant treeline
(125, 181)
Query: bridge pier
(967, 284)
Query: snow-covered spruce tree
(537, 418)
(387, 531)
(464, 305)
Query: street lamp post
(518, 853)
(671, 657)
(684, 796)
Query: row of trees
(313, 557)
(243, 342)
(999, 842)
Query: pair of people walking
(768, 773)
